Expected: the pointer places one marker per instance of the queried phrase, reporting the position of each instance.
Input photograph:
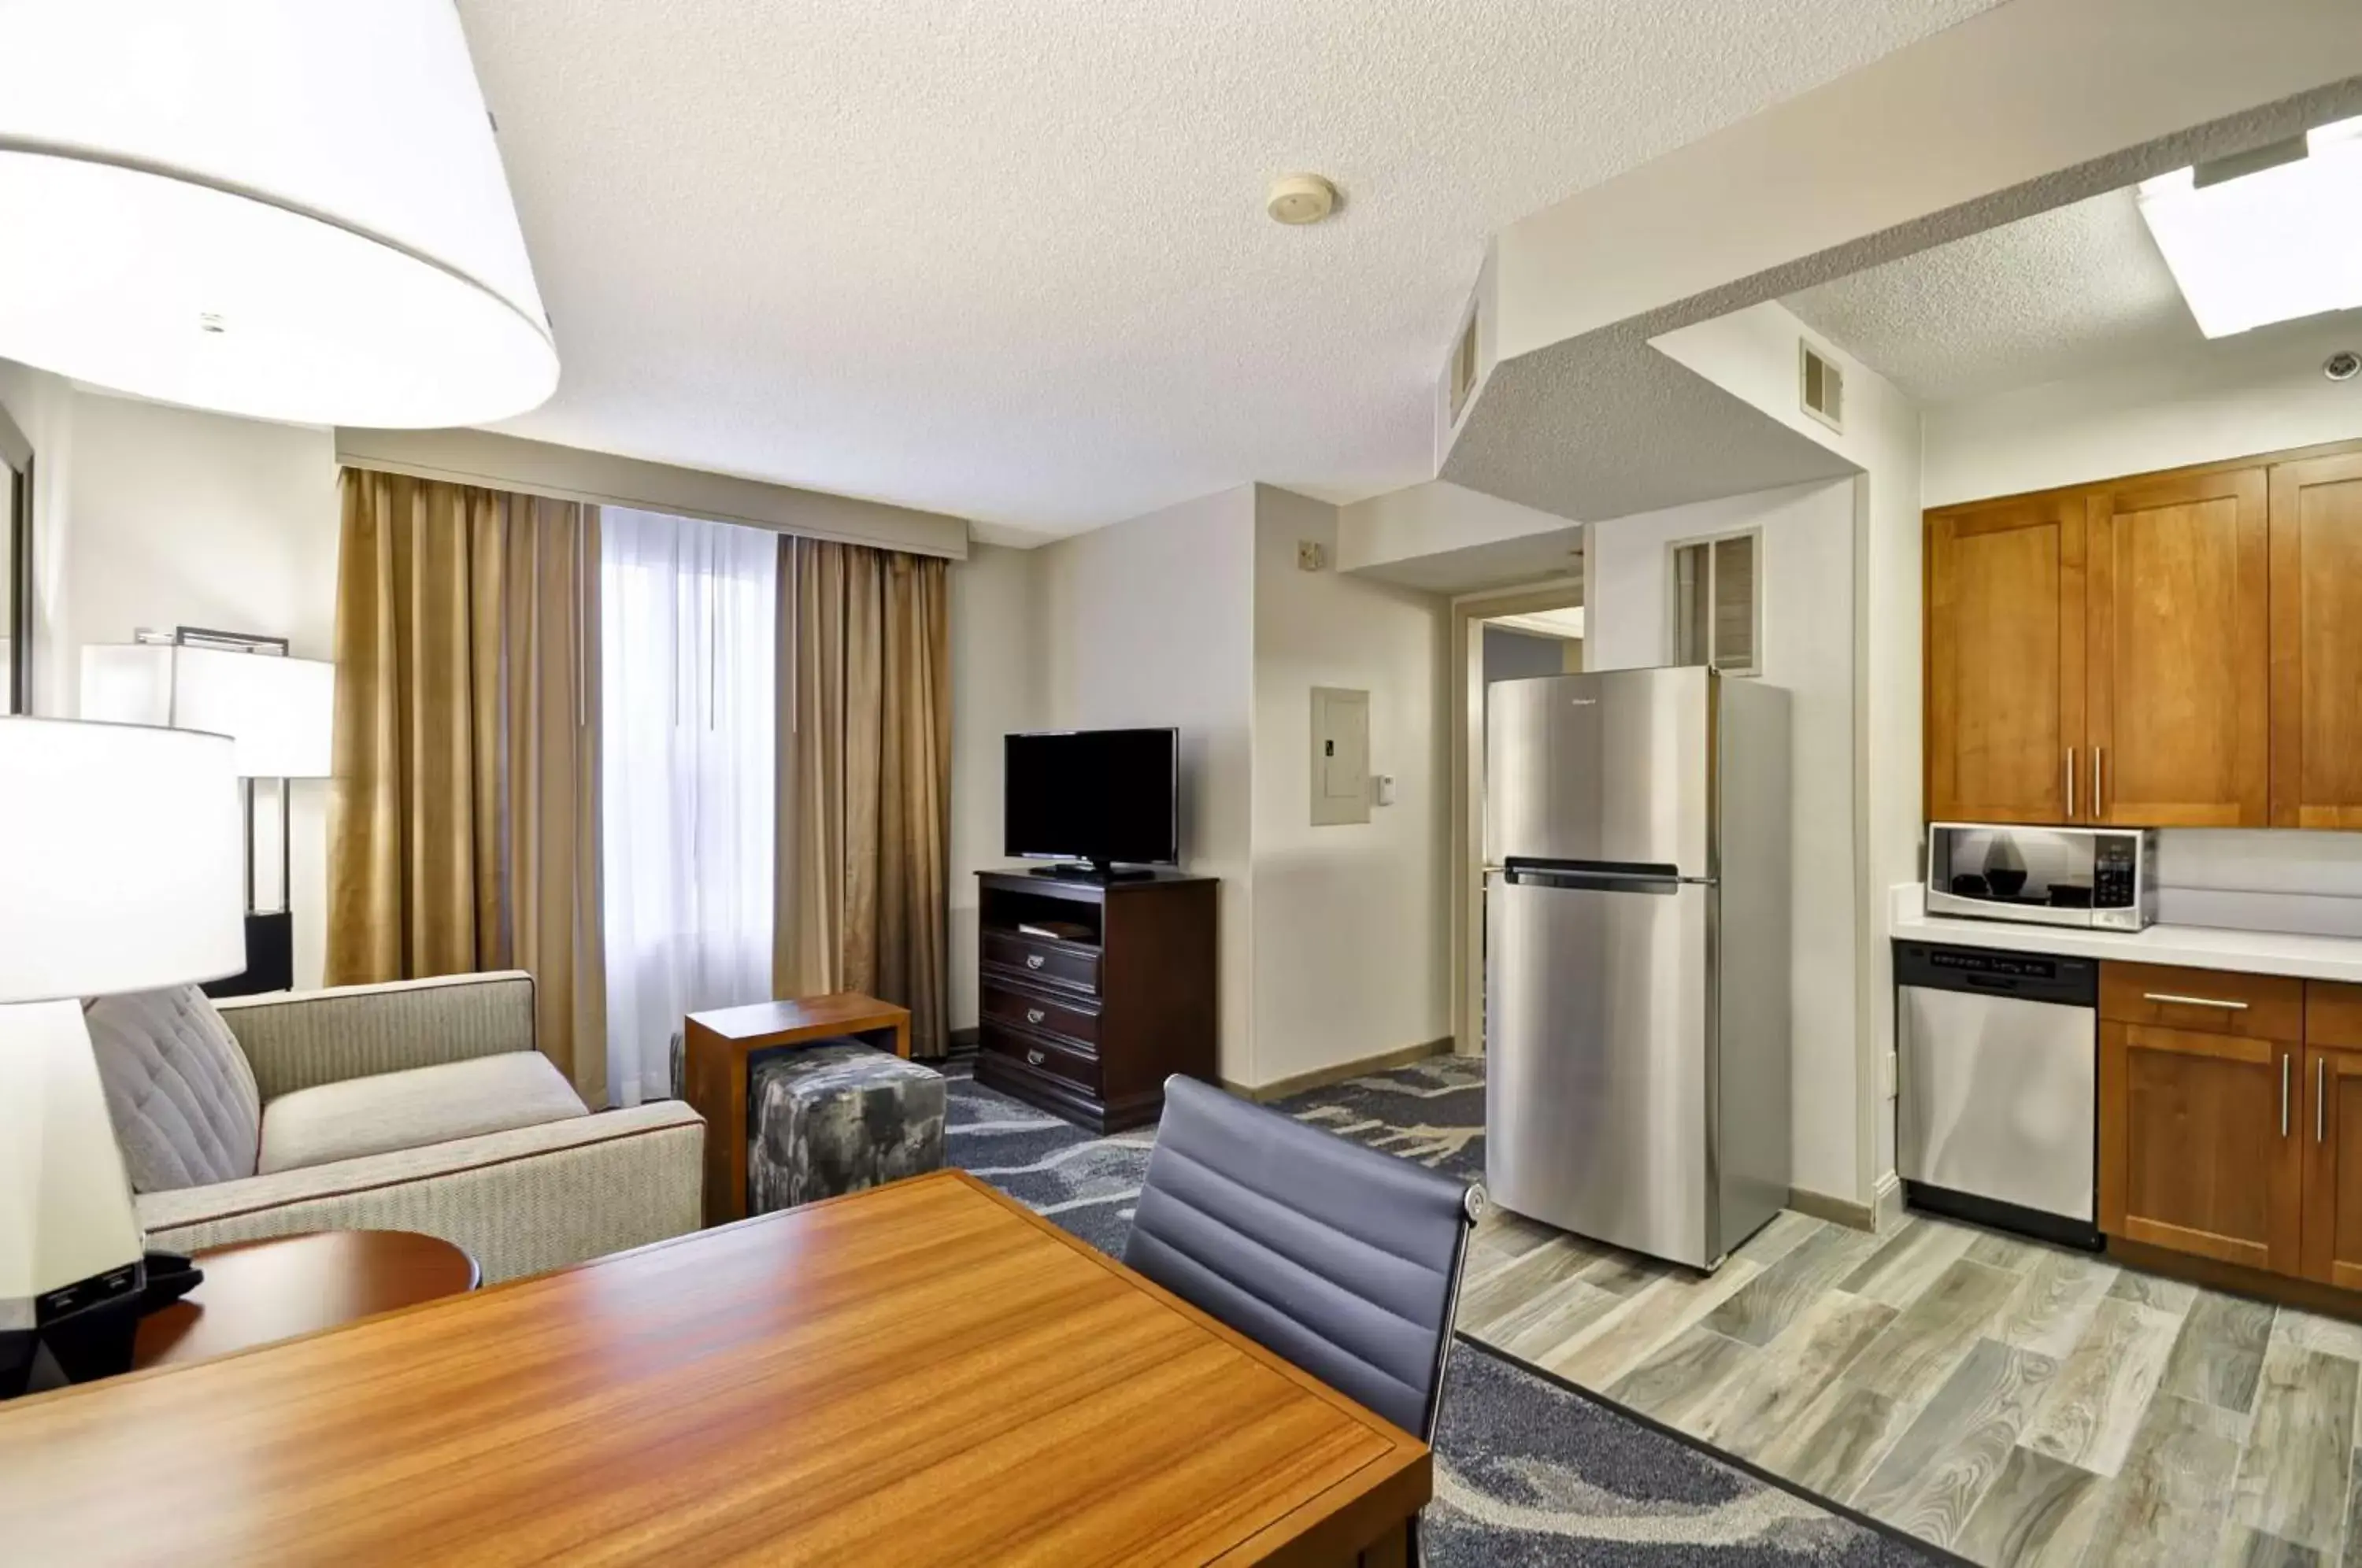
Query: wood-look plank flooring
(2015, 1403)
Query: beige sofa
(347, 1147)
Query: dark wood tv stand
(1112, 990)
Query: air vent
(1463, 368)
(1822, 386)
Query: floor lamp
(119, 857)
(278, 708)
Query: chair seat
(414, 1110)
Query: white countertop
(2192, 947)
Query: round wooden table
(256, 1292)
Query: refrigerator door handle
(1595, 876)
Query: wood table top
(775, 1022)
(923, 1373)
(259, 1292)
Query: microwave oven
(2093, 877)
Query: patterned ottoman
(838, 1117)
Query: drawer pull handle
(1034, 960)
(2169, 1000)
(1034, 1058)
(1035, 1015)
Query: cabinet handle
(2169, 1000)
(2070, 783)
(2284, 1086)
(1034, 960)
(2319, 1101)
(1035, 1015)
(2097, 795)
(1035, 1058)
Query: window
(1717, 615)
(688, 710)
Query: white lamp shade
(279, 208)
(121, 862)
(279, 711)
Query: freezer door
(1596, 1034)
(1614, 767)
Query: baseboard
(960, 1042)
(1889, 1203)
(1836, 1210)
(1263, 1094)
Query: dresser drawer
(1041, 1054)
(2214, 1001)
(1042, 1014)
(1053, 963)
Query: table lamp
(278, 708)
(118, 872)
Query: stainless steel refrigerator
(1636, 937)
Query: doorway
(1501, 635)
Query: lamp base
(70, 1257)
(269, 958)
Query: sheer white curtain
(689, 665)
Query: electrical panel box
(1341, 756)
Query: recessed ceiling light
(2283, 241)
(269, 207)
(1297, 199)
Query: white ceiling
(1010, 261)
(2076, 289)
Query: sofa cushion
(415, 1108)
(178, 1088)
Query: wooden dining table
(924, 1373)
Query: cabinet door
(2198, 1144)
(2180, 652)
(2005, 647)
(2316, 534)
(2332, 1133)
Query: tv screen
(1097, 795)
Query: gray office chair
(1341, 1259)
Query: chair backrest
(1341, 1259)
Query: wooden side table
(715, 1046)
(256, 1292)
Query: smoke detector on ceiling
(1298, 199)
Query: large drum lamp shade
(290, 209)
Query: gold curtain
(463, 825)
(865, 738)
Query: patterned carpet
(1527, 1473)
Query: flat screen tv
(1104, 796)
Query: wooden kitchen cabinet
(2199, 1113)
(2331, 1135)
(2178, 671)
(2005, 649)
(2316, 594)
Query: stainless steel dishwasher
(1997, 1088)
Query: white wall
(2261, 391)
(1809, 649)
(1352, 927)
(43, 407)
(182, 518)
(996, 689)
(1152, 622)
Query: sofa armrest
(296, 1040)
(521, 1201)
